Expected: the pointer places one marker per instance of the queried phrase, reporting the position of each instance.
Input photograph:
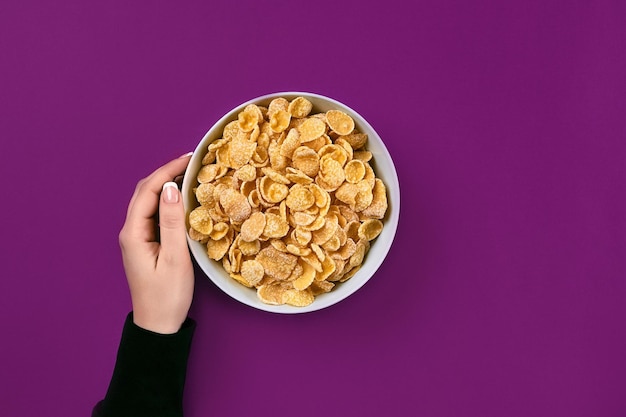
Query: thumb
(172, 224)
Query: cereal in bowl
(288, 201)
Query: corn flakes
(288, 200)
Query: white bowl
(383, 167)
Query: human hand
(158, 269)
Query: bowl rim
(391, 222)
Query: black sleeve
(149, 374)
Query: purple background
(504, 293)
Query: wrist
(156, 325)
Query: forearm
(149, 375)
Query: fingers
(172, 225)
(144, 204)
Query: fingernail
(186, 155)
(170, 192)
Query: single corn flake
(219, 230)
(271, 191)
(355, 171)
(339, 122)
(209, 158)
(356, 140)
(370, 177)
(352, 229)
(252, 271)
(300, 107)
(331, 172)
(311, 129)
(335, 152)
(298, 298)
(299, 198)
(249, 248)
(303, 219)
(277, 161)
(252, 228)
(222, 156)
(200, 220)
(347, 193)
(254, 135)
(297, 176)
(340, 266)
(277, 104)
(236, 206)
(231, 131)
(306, 160)
(321, 255)
(246, 173)
(290, 144)
(280, 121)
(279, 245)
(306, 278)
(204, 194)
(249, 118)
(273, 293)
(276, 264)
(216, 249)
(364, 197)
(240, 152)
(235, 258)
(208, 173)
(370, 229)
(275, 226)
(317, 224)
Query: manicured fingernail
(186, 155)
(170, 192)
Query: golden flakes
(288, 201)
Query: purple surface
(504, 293)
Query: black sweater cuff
(149, 374)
